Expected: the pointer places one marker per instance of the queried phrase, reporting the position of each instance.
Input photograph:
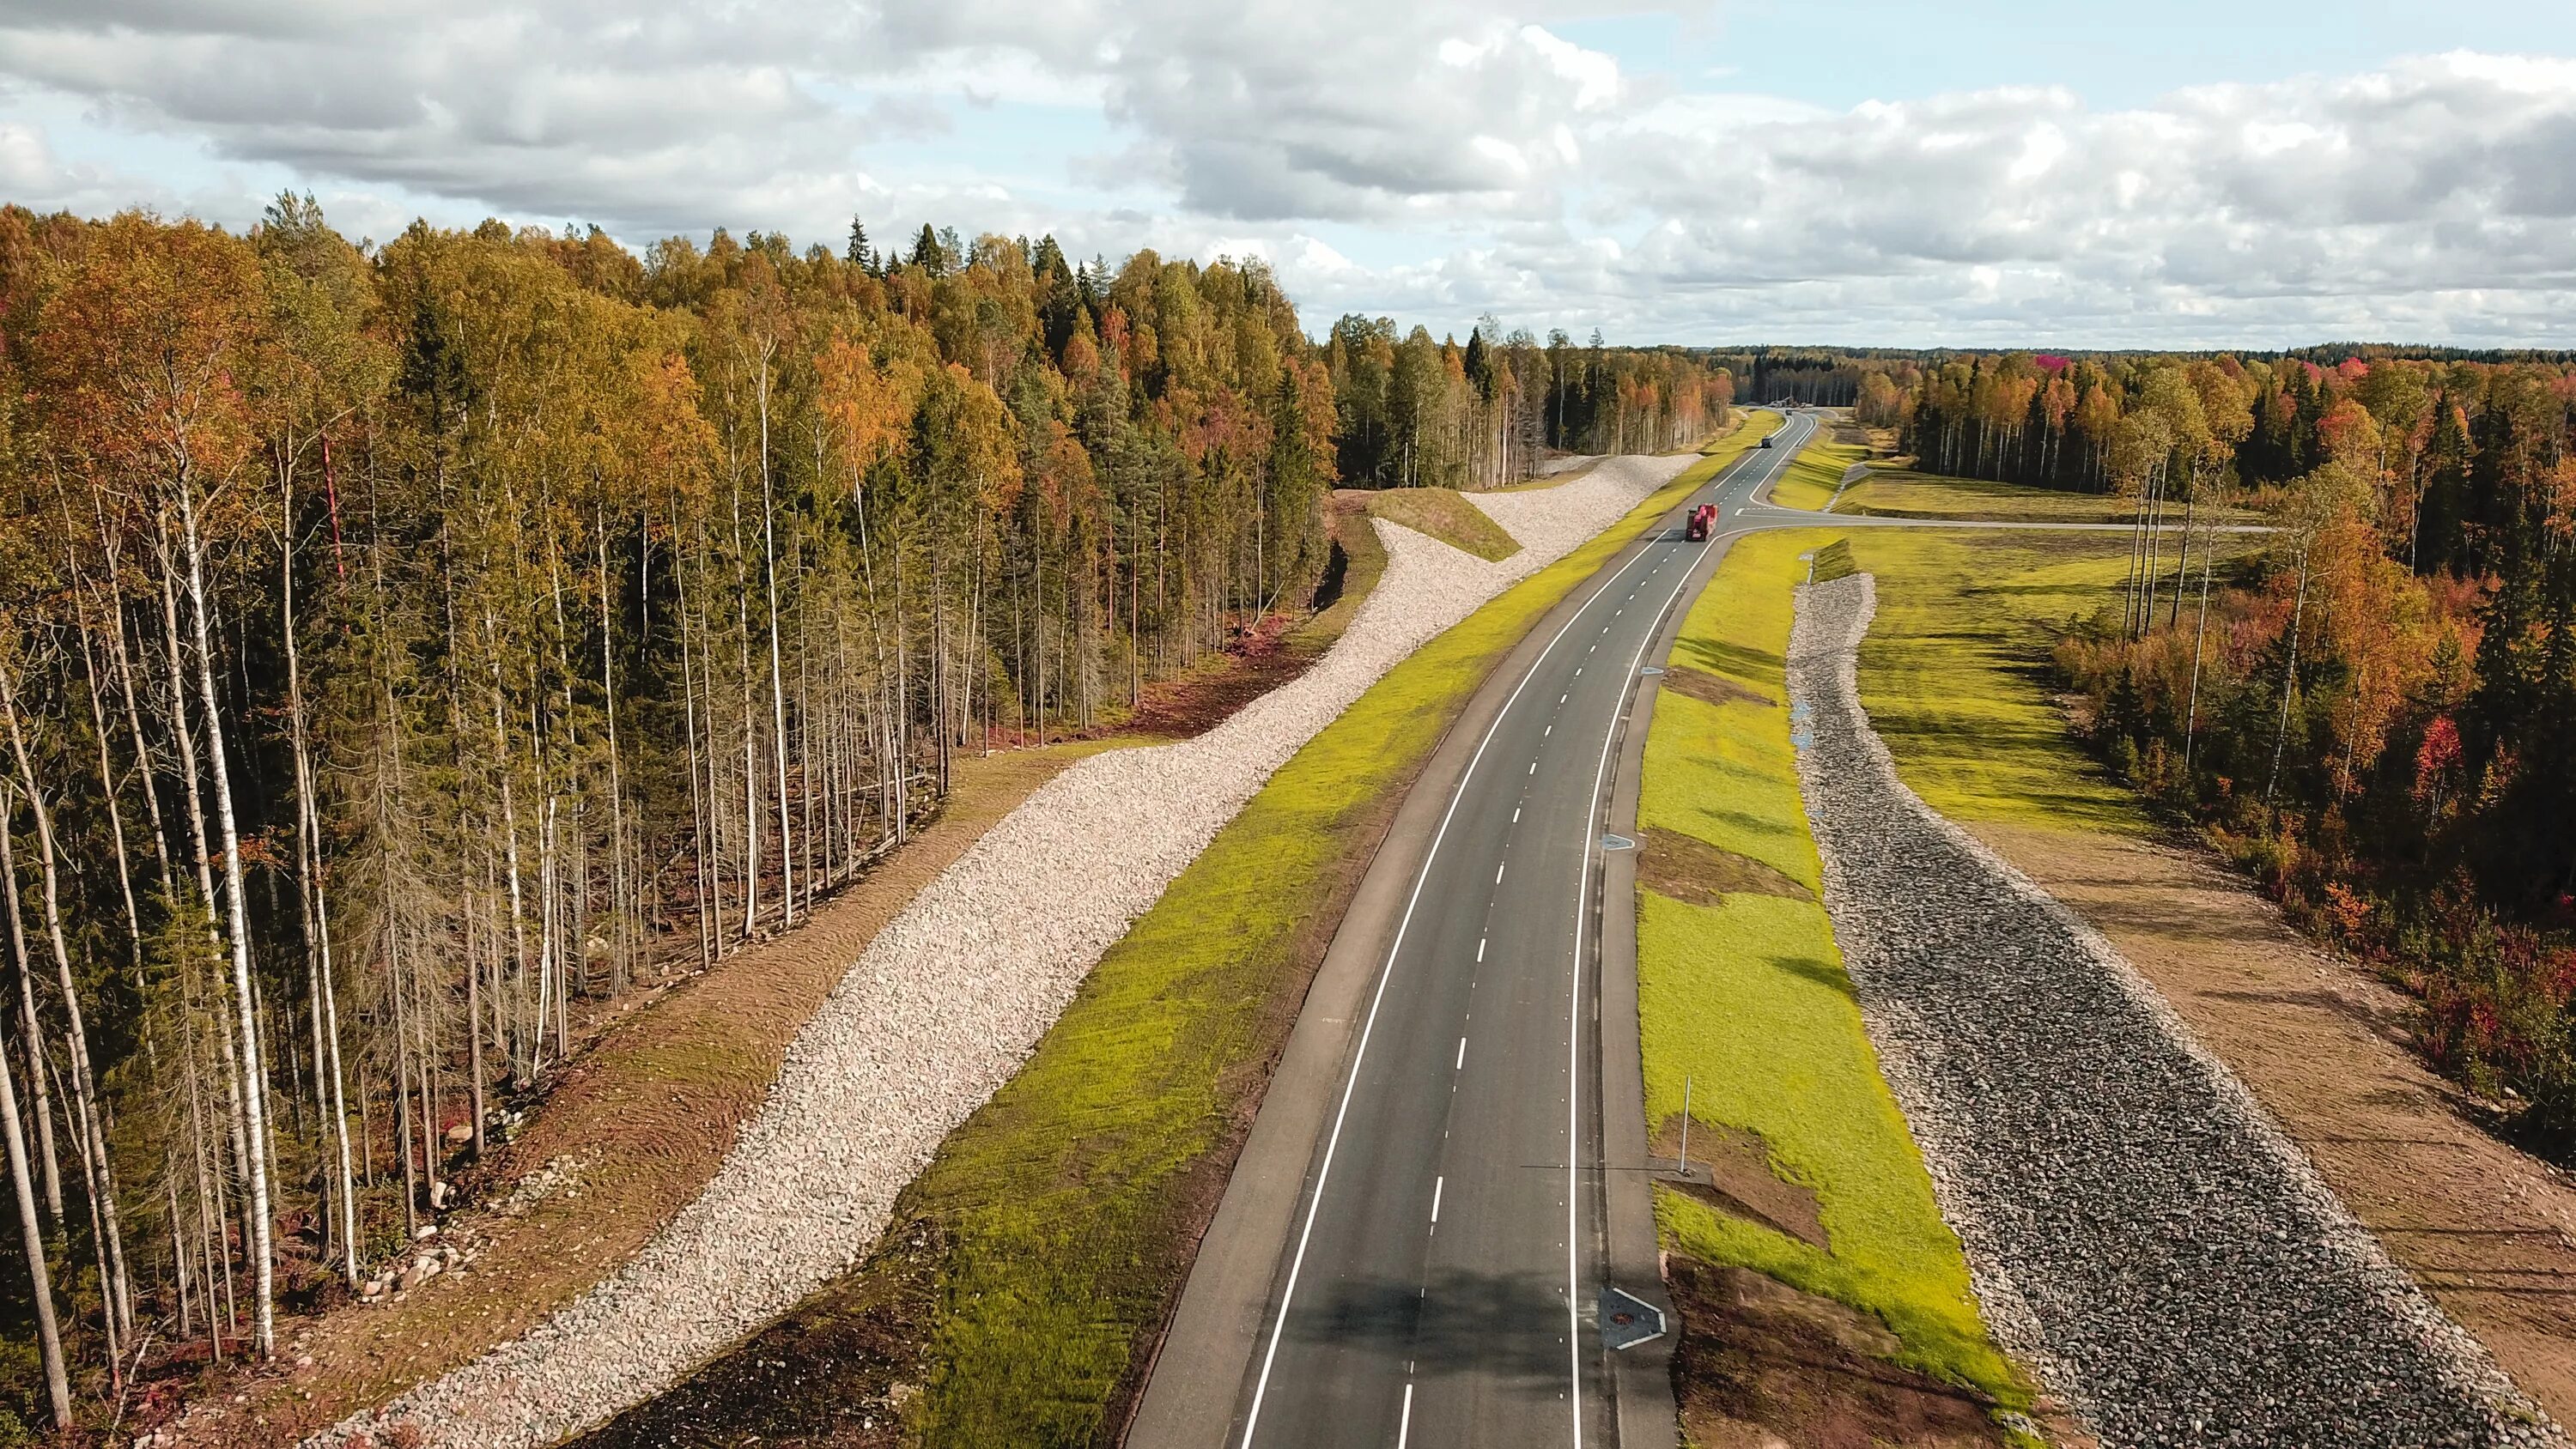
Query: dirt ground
(1764, 1366)
(2488, 1230)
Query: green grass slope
(1955, 671)
(1445, 514)
(1748, 1001)
(1811, 478)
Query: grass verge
(1020, 1289)
(1445, 514)
(1812, 477)
(1750, 429)
(1748, 1001)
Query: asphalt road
(1413, 1244)
(1440, 1287)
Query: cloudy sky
(2076, 174)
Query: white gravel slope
(2138, 1226)
(946, 1002)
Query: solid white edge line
(1574, 1044)
(1323, 1170)
(1386, 973)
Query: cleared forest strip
(941, 1010)
(2140, 1227)
(1954, 676)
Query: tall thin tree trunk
(237, 901)
(2289, 679)
(95, 1167)
(31, 1032)
(31, 1231)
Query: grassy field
(1955, 671)
(1748, 1000)
(1025, 1275)
(1811, 478)
(1904, 493)
(1445, 514)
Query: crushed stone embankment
(2139, 1227)
(944, 1004)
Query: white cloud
(1514, 169)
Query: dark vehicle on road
(1766, 440)
(1703, 521)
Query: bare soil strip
(2488, 1231)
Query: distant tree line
(1411, 412)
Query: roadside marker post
(1686, 1089)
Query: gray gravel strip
(946, 1002)
(2139, 1228)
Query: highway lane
(1440, 1287)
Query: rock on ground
(946, 1002)
(2138, 1226)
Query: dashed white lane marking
(1404, 1424)
(1462, 1056)
(1436, 1184)
(1498, 873)
(1480, 948)
(1516, 815)
(1533, 767)
(1543, 734)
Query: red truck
(1703, 521)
